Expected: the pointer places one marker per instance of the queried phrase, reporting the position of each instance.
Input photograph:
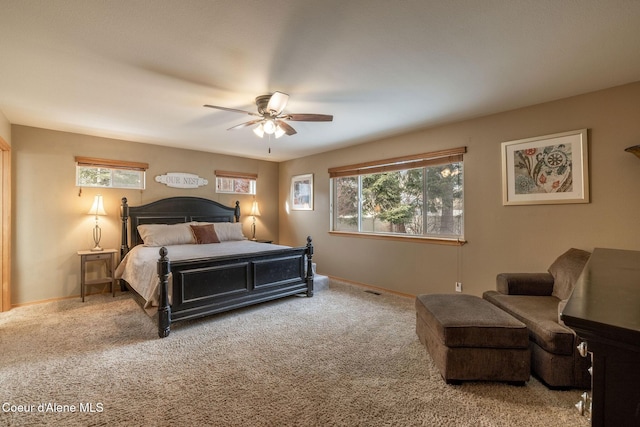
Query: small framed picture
(550, 169)
(302, 192)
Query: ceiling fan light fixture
(259, 130)
(279, 131)
(269, 127)
(270, 117)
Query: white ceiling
(141, 70)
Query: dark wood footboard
(207, 286)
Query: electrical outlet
(458, 286)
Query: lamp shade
(97, 208)
(255, 210)
(259, 130)
(279, 131)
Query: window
(104, 173)
(416, 196)
(235, 182)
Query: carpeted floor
(342, 358)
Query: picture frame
(549, 169)
(302, 192)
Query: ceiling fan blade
(286, 127)
(277, 102)
(234, 110)
(309, 117)
(245, 124)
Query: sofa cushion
(469, 321)
(540, 314)
(565, 271)
(524, 283)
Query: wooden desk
(107, 257)
(604, 310)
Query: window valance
(227, 174)
(111, 164)
(399, 163)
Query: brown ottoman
(469, 338)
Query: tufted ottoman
(469, 338)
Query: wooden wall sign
(181, 180)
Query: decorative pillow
(565, 271)
(228, 231)
(165, 234)
(204, 234)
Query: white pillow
(166, 234)
(228, 231)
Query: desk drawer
(98, 257)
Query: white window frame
(110, 167)
(422, 161)
(236, 182)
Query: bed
(191, 279)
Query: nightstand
(105, 256)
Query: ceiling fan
(272, 120)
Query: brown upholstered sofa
(536, 299)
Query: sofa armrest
(537, 284)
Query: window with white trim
(417, 196)
(104, 173)
(235, 182)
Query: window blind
(227, 174)
(112, 164)
(400, 163)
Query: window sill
(415, 239)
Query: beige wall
(50, 221)
(500, 238)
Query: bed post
(236, 211)
(309, 277)
(164, 310)
(124, 215)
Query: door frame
(5, 225)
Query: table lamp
(97, 209)
(255, 211)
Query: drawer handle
(584, 405)
(582, 349)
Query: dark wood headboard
(172, 210)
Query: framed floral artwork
(302, 192)
(548, 169)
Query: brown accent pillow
(204, 234)
(565, 271)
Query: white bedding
(139, 269)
